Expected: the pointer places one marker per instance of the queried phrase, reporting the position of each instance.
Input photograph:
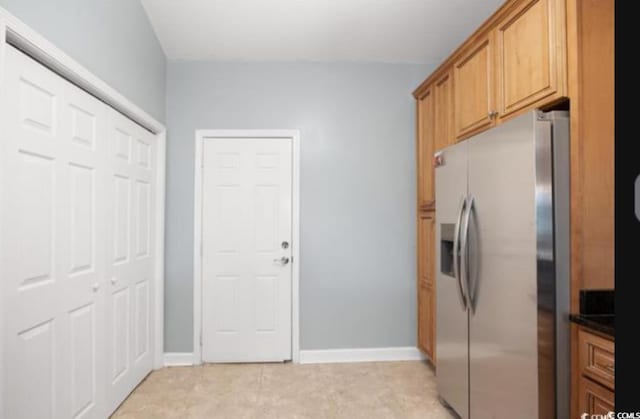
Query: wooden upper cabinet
(531, 55)
(426, 284)
(443, 95)
(515, 62)
(425, 143)
(473, 74)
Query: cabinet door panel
(426, 236)
(531, 51)
(443, 94)
(426, 113)
(593, 132)
(597, 358)
(423, 317)
(473, 97)
(426, 284)
(594, 399)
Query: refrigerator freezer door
(452, 373)
(562, 245)
(503, 320)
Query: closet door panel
(130, 254)
(52, 245)
(84, 128)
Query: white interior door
(246, 249)
(130, 255)
(52, 267)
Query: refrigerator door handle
(456, 254)
(465, 267)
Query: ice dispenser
(446, 248)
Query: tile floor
(338, 391)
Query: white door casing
(246, 214)
(246, 208)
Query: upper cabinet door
(473, 96)
(426, 116)
(531, 51)
(443, 95)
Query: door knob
(283, 260)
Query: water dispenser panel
(446, 248)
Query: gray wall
(112, 38)
(358, 188)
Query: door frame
(201, 135)
(15, 32)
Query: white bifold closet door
(76, 247)
(130, 241)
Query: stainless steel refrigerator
(502, 276)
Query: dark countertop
(603, 323)
(596, 311)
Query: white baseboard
(322, 356)
(178, 359)
(360, 355)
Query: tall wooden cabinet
(591, 83)
(426, 117)
(592, 91)
(548, 54)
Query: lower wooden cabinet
(596, 373)
(424, 325)
(426, 285)
(597, 358)
(594, 398)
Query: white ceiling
(410, 31)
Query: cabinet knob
(114, 280)
(493, 114)
(96, 287)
